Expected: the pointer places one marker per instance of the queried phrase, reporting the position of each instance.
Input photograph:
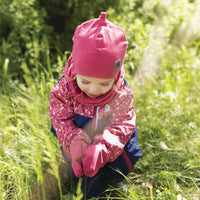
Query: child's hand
(95, 157)
(77, 147)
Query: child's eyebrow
(106, 82)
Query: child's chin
(93, 96)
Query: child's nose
(93, 90)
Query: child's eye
(105, 84)
(85, 82)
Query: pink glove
(77, 147)
(95, 157)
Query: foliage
(162, 67)
(23, 34)
(30, 29)
(150, 26)
(60, 13)
(169, 127)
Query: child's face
(94, 87)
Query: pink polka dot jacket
(112, 124)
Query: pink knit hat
(99, 48)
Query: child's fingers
(77, 168)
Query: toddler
(91, 108)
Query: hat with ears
(99, 48)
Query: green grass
(167, 108)
(27, 146)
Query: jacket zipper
(95, 119)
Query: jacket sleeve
(121, 126)
(62, 115)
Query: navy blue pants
(94, 186)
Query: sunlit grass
(167, 111)
(27, 145)
(167, 108)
